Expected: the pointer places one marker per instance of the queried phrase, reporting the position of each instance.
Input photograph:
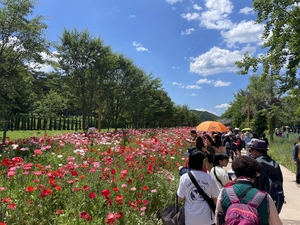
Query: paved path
(290, 213)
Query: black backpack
(274, 188)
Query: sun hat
(228, 134)
(258, 144)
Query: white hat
(228, 134)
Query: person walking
(218, 173)
(270, 172)
(296, 154)
(246, 169)
(195, 207)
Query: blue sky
(190, 44)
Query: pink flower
(2, 188)
(143, 208)
(153, 191)
(38, 152)
(11, 173)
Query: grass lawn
(21, 134)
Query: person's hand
(295, 162)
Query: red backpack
(243, 214)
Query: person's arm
(219, 208)
(273, 217)
(180, 190)
(295, 153)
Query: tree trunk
(99, 115)
(271, 128)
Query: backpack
(243, 214)
(274, 188)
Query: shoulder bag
(201, 192)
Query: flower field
(105, 178)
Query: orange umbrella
(210, 126)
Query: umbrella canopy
(247, 129)
(210, 126)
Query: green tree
(78, 53)
(49, 105)
(282, 40)
(238, 110)
(259, 123)
(22, 42)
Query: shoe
(298, 185)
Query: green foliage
(22, 40)
(281, 35)
(205, 116)
(259, 123)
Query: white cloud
(176, 67)
(216, 15)
(247, 10)
(205, 110)
(139, 47)
(218, 60)
(220, 83)
(244, 32)
(175, 83)
(188, 31)
(173, 1)
(46, 67)
(193, 87)
(205, 81)
(178, 84)
(191, 16)
(132, 16)
(197, 7)
(193, 94)
(225, 105)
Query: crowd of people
(207, 157)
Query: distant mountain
(205, 116)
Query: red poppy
(74, 173)
(145, 188)
(2, 223)
(85, 188)
(105, 193)
(12, 206)
(58, 188)
(30, 189)
(4, 200)
(110, 218)
(118, 215)
(119, 199)
(115, 189)
(84, 215)
(59, 211)
(45, 192)
(92, 195)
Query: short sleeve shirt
(196, 208)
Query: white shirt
(222, 175)
(197, 210)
